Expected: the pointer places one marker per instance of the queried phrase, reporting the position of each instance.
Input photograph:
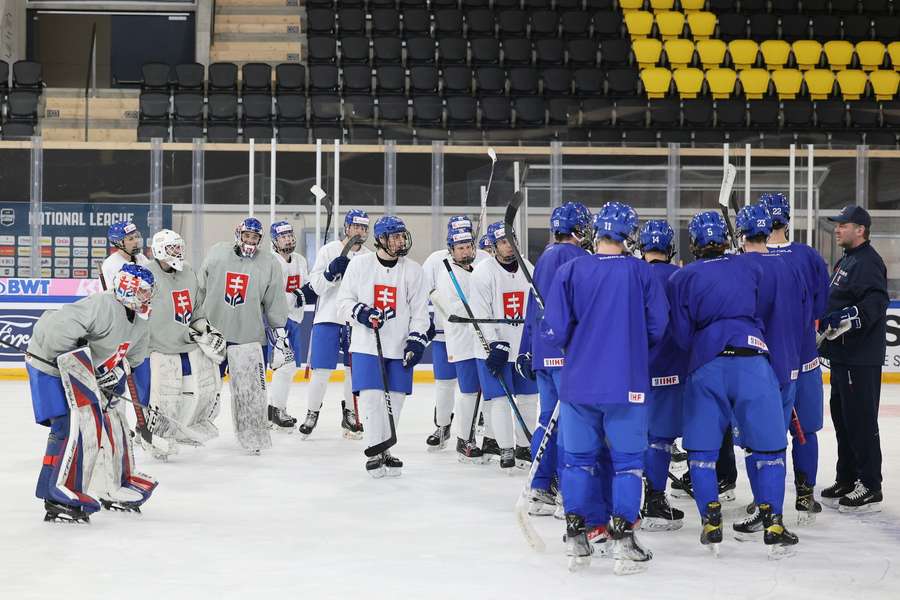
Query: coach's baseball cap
(853, 214)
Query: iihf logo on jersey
(385, 297)
(184, 308)
(293, 283)
(513, 305)
(236, 285)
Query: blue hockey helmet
(707, 228)
(283, 238)
(484, 242)
(248, 225)
(657, 235)
(356, 216)
(565, 219)
(616, 221)
(387, 226)
(496, 231)
(133, 287)
(117, 233)
(778, 206)
(754, 220)
(458, 223)
(464, 256)
(460, 237)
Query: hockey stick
(531, 535)
(383, 446)
(487, 349)
(323, 199)
(459, 319)
(511, 209)
(724, 196)
(474, 418)
(482, 215)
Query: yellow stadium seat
(671, 24)
(743, 53)
(712, 53)
(721, 82)
(755, 83)
(819, 82)
(871, 55)
(690, 6)
(839, 54)
(658, 5)
(628, 6)
(689, 82)
(852, 83)
(776, 53)
(808, 53)
(680, 53)
(656, 81)
(885, 84)
(702, 24)
(639, 23)
(787, 83)
(647, 52)
(894, 52)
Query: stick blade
(318, 192)
(727, 184)
(380, 448)
(512, 209)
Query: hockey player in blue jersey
(570, 226)
(714, 317)
(782, 308)
(809, 398)
(605, 311)
(656, 242)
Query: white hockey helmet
(134, 286)
(168, 247)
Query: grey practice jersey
(177, 304)
(239, 292)
(98, 320)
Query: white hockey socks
(465, 407)
(501, 421)
(280, 387)
(443, 400)
(527, 404)
(315, 391)
(376, 428)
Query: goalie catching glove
(281, 349)
(209, 339)
(109, 380)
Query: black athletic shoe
(468, 452)
(833, 493)
(861, 500)
(776, 536)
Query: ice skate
(578, 548)
(468, 452)
(375, 466)
(678, 455)
(726, 491)
(861, 500)
(490, 448)
(832, 495)
(806, 505)
(657, 514)
(750, 528)
(306, 428)
(280, 420)
(628, 553)
(598, 536)
(63, 513)
(711, 534)
(778, 539)
(508, 461)
(541, 503)
(438, 440)
(523, 457)
(122, 500)
(681, 488)
(393, 466)
(351, 428)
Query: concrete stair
(257, 31)
(113, 115)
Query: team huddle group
(630, 351)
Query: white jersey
(398, 287)
(459, 337)
(295, 276)
(433, 268)
(326, 305)
(499, 294)
(113, 264)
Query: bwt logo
(15, 330)
(24, 287)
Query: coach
(854, 324)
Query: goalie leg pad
(249, 403)
(165, 392)
(116, 461)
(205, 385)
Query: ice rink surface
(305, 521)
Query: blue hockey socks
(750, 462)
(627, 484)
(656, 462)
(581, 481)
(770, 471)
(806, 458)
(549, 464)
(703, 478)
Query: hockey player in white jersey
(499, 291)
(384, 292)
(75, 355)
(185, 351)
(326, 279)
(444, 372)
(243, 291)
(298, 293)
(128, 243)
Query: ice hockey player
(444, 372)
(328, 328)
(382, 294)
(656, 242)
(605, 337)
(243, 290)
(809, 397)
(714, 318)
(570, 226)
(79, 469)
(484, 243)
(126, 239)
(298, 293)
(499, 290)
(782, 308)
(184, 382)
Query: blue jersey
(666, 358)
(713, 305)
(814, 272)
(782, 308)
(544, 355)
(605, 312)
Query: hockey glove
(524, 368)
(497, 357)
(336, 268)
(373, 318)
(414, 349)
(209, 339)
(109, 380)
(305, 295)
(431, 333)
(836, 319)
(281, 349)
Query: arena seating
(19, 103)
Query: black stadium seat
(155, 76)
(290, 78)
(607, 24)
(222, 77)
(256, 77)
(485, 51)
(354, 50)
(452, 51)
(420, 51)
(457, 81)
(387, 51)
(189, 77)
(321, 50)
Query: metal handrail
(90, 82)
(212, 23)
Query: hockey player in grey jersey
(185, 382)
(104, 338)
(243, 292)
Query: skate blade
(603, 549)
(254, 451)
(779, 552)
(467, 460)
(436, 448)
(579, 563)
(377, 473)
(523, 464)
(192, 443)
(623, 566)
(393, 472)
(283, 430)
(679, 494)
(510, 471)
(728, 496)
(742, 536)
(658, 524)
(873, 507)
(831, 502)
(806, 518)
(120, 507)
(349, 435)
(303, 436)
(61, 519)
(714, 549)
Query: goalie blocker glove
(281, 349)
